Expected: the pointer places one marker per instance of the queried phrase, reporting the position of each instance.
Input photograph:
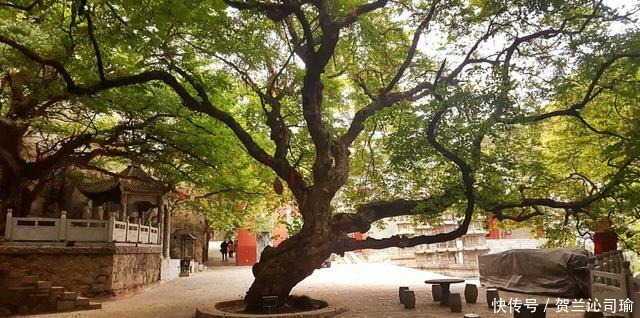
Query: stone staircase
(27, 294)
(349, 258)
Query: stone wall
(134, 268)
(90, 271)
(84, 270)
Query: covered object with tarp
(560, 272)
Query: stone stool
(492, 296)
(409, 299)
(470, 293)
(400, 290)
(471, 315)
(455, 302)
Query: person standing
(224, 249)
(231, 248)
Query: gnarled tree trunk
(281, 268)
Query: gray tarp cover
(555, 272)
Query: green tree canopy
(522, 109)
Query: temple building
(107, 237)
(456, 258)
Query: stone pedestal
(471, 293)
(409, 299)
(455, 302)
(400, 292)
(492, 296)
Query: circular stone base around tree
(234, 308)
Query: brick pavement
(367, 290)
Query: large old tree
(463, 102)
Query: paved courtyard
(367, 290)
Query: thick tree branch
(381, 102)
(369, 213)
(590, 94)
(387, 99)
(399, 241)
(352, 17)
(228, 190)
(90, 29)
(407, 206)
(412, 49)
(204, 106)
(577, 205)
(274, 11)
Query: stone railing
(610, 279)
(30, 229)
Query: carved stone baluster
(591, 266)
(606, 267)
(598, 267)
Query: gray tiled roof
(134, 179)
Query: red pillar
(245, 248)
(604, 241)
(494, 232)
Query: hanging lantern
(277, 186)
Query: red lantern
(277, 186)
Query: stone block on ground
(97, 288)
(16, 273)
(83, 289)
(11, 282)
(92, 306)
(67, 295)
(43, 304)
(82, 301)
(101, 279)
(43, 294)
(22, 289)
(44, 284)
(30, 280)
(66, 305)
(57, 290)
(23, 310)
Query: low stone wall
(91, 271)
(135, 268)
(497, 246)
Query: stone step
(82, 301)
(11, 282)
(57, 290)
(30, 280)
(16, 273)
(23, 289)
(67, 295)
(44, 284)
(40, 294)
(92, 306)
(65, 305)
